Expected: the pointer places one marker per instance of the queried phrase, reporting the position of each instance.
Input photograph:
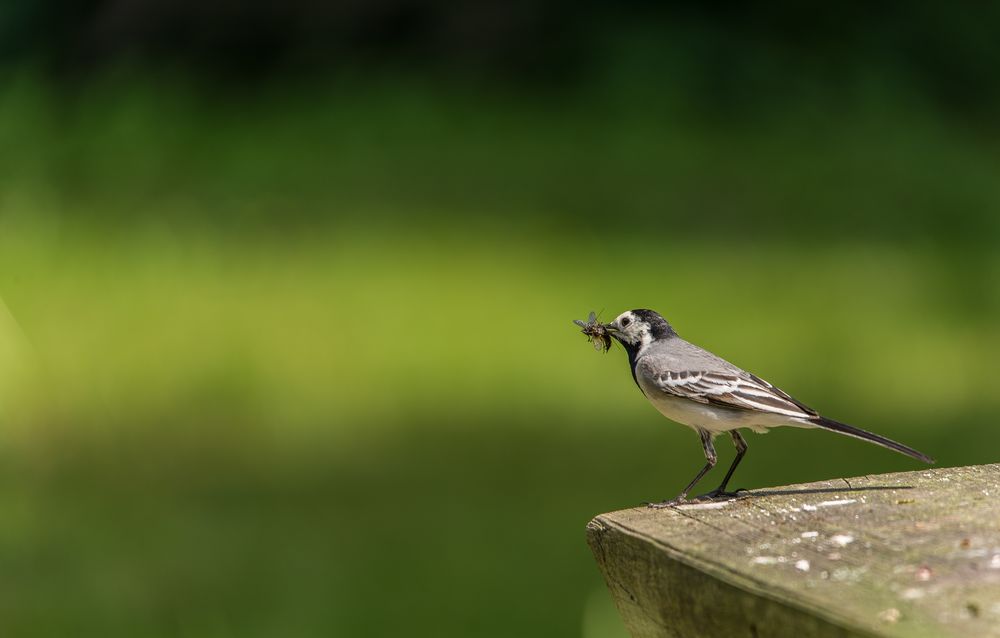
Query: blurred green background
(286, 290)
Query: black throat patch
(632, 350)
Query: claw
(680, 500)
(718, 495)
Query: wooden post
(913, 554)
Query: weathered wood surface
(912, 554)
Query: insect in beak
(596, 332)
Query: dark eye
(626, 321)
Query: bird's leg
(741, 449)
(710, 457)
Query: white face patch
(632, 330)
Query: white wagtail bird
(698, 389)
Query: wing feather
(731, 391)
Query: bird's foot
(717, 495)
(673, 502)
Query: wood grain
(910, 554)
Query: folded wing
(732, 391)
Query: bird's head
(639, 328)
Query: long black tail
(858, 433)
